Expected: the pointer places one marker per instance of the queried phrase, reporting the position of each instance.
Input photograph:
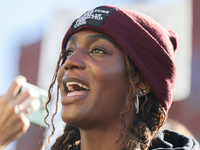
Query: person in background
(116, 75)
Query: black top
(170, 140)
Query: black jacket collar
(170, 140)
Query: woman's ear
(142, 87)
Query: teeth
(70, 88)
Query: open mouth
(75, 88)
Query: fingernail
(21, 80)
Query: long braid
(68, 140)
(49, 99)
(151, 117)
(130, 95)
(71, 134)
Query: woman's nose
(75, 60)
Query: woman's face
(93, 80)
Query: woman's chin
(72, 119)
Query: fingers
(19, 105)
(15, 86)
(25, 96)
(26, 123)
(13, 122)
(33, 106)
(27, 102)
(10, 105)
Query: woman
(116, 74)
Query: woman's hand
(13, 122)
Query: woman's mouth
(76, 89)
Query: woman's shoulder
(169, 140)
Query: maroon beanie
(150, 46)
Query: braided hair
(147, 122)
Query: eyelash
(68, 52)
(94, 51)
(98, 50)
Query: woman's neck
(102, 139)
(104, 135)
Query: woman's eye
(68, 53)
(98, 51)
